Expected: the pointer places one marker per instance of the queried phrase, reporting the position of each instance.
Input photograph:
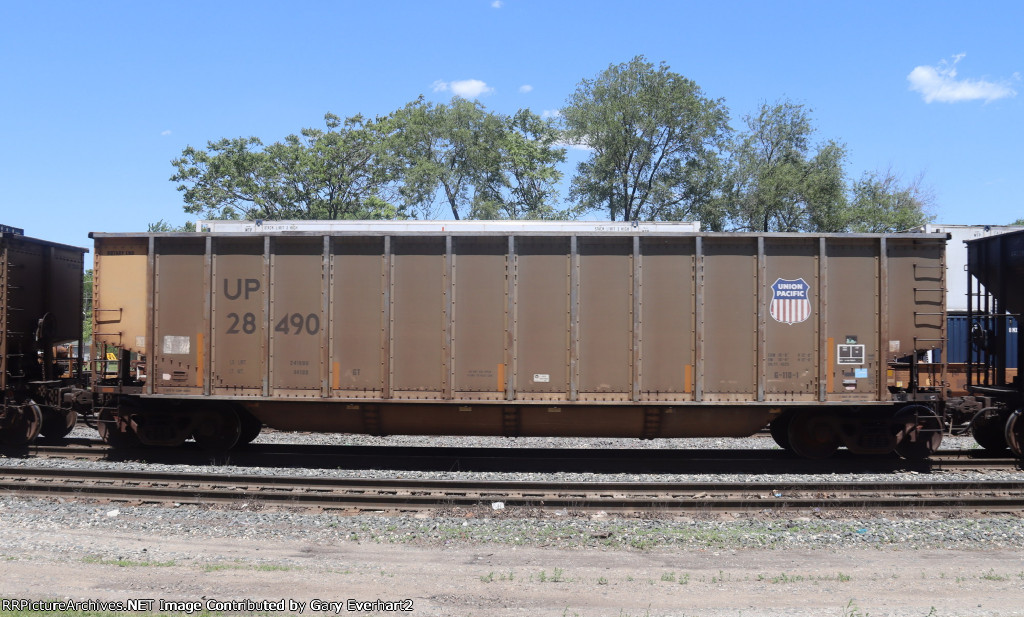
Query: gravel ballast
(480, 561)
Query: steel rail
(355, 494)
(267, 454)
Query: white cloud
(497, 4)
(526, 88)
(940, 83)
(580, 146)
(550, 113)
(165, 133)
(466, 88)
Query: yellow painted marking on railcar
(830, 368)
(501, 377)
(199, 360)
(688, 378)
(336, 376)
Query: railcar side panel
(852, 313)
(419, 315)
(297, 317)
(667, 319)
(238, 355)
(542, 318)
(618, 333)
(479, 318)
(729, 295)
(121, 292)
(359, 292)
(605, 330)
(180, 309)
(790, 289)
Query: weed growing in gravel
(669, 577)
(127, 563)
(557, 576)
(797, 578)
(992, 576)
(852, 610)
(487, 579)
(215, 567)
(623, 613)
(721, 578)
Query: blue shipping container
(958, 329)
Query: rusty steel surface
(616, 333)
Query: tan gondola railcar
(485, 328)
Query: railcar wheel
(23, 423)
(919, 432)
(57, 423)
(1015, 433)
(114, 433)
(779, 428)
(812, 434)
(251, 427)
(218, 428)
(989, 429)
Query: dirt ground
(501, 581)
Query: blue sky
(98, 97)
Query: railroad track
(354, 495)
(697, 461)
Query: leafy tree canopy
(660, 149)
(473, 163)
(881, 203)
(654, 140)
(778, 181)
(341, 172)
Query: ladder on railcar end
(938, 343)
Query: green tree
(338, 173)
(654, 139)
(526, 185)
(881, 203)
(87, 305)
(1019, 221)
(164, 226)
(474, 163)
(777, 183)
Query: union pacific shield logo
(791, 303)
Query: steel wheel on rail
(1014, 433)
(989, 429)
(779, 428)
(218, 428)
(57, 423)
(23, 423)
(919, 432)
(251, 427)
(813, 434)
